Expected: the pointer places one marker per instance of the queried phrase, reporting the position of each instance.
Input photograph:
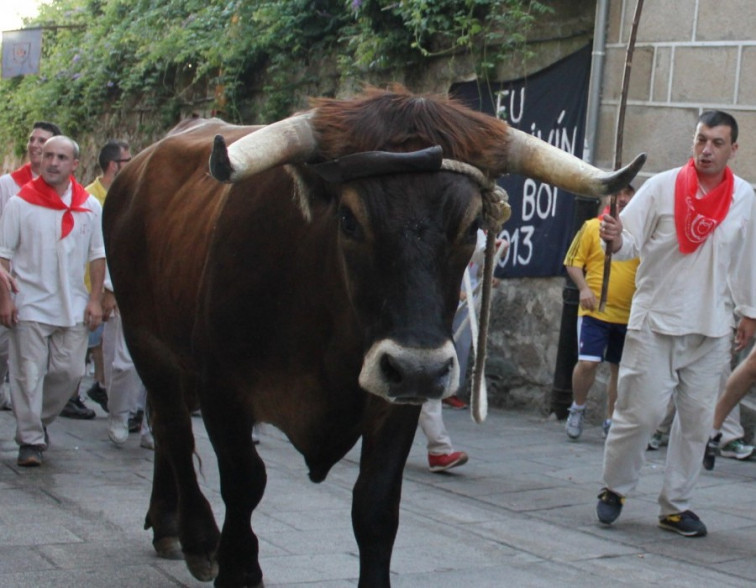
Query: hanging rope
(496, 211)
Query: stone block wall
(690, 56)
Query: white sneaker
(574, 424)
(147, 441)
(657, 440)
(118, 431)
(736, 449)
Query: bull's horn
(291, 140)
(537, 159)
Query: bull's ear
(220, 164)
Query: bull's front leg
(242, 481)
(377, 492)
(197, 531)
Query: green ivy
(106, 58)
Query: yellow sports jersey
(97, 190)
(586, 252)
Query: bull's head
(408, 230)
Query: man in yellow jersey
(601, 335)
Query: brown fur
(397, 120)
(230, 298)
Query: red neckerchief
(22, 175)
(696, 218)
(40, 193)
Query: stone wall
(690, 56)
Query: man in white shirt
(694, 229)
(50, 231)
(10, 184)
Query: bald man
(51, 231)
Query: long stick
(618, 144)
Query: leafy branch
(104, 59)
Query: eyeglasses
(122, 160)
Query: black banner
(551, 105)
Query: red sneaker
(455, 403)
(441, 463)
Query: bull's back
(158, 221)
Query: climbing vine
(102, 58)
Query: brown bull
(322, 306)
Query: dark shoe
(76, 409)
(135, 421)
(609, 506)
(685, 523)
(29, 456)
(710, 452)
(99, 395)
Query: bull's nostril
(389, 370)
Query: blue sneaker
(685, 523)
(609, 506)
(605, 426)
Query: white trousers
(4, 351)
(432, 423)
(45, 370)
(731, 427)
(121, 379)
(656, 368)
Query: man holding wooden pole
(694, 229)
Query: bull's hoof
(202, 567)
(168, 548)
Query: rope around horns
(496, 211)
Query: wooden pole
(619, 135)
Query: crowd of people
(55, 295)
(681, 300)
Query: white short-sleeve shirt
(50, 270)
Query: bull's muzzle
(410, 375)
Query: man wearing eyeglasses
(117, 388)
(113, 156)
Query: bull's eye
(348, 223)
(471, 235)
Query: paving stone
(521, 512)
